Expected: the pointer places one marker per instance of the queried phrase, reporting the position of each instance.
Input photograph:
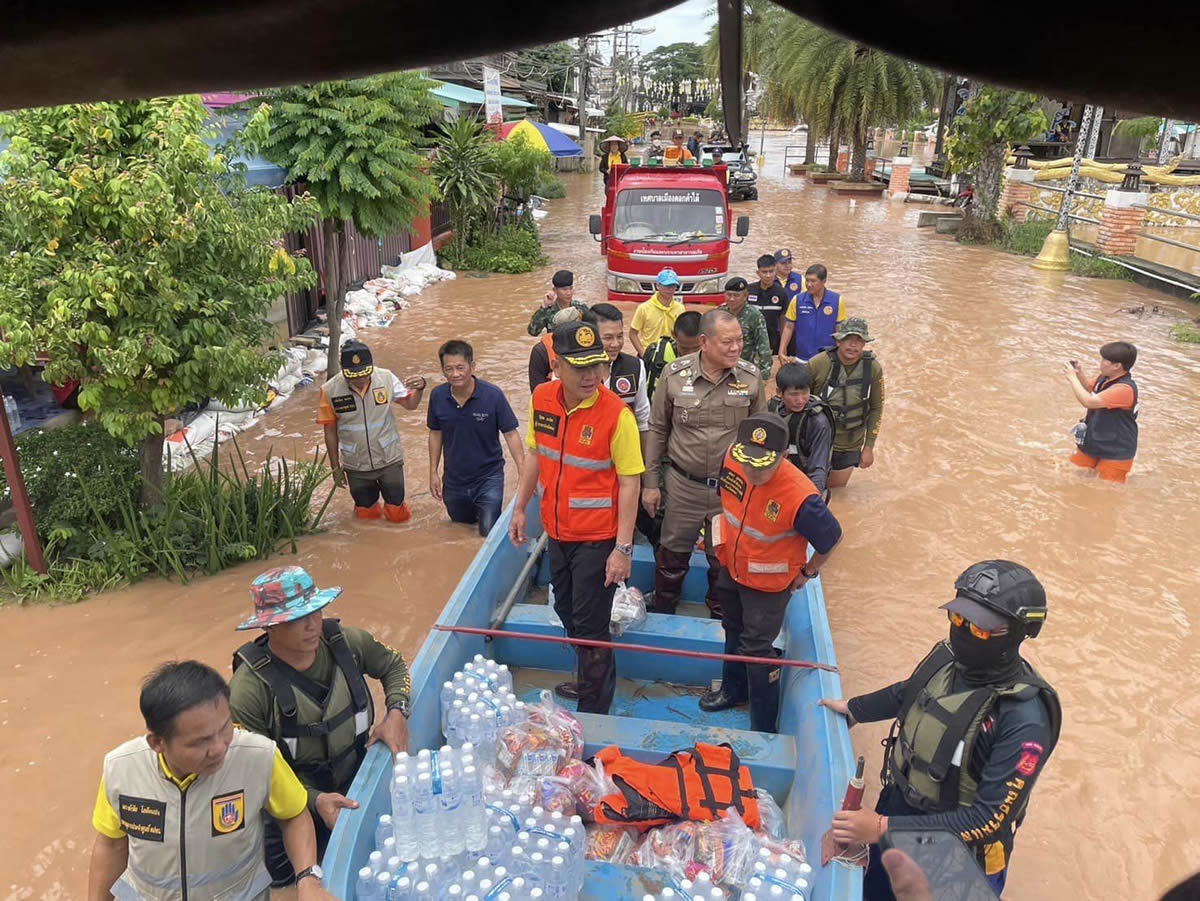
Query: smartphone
(948, 864)
(1073, 362)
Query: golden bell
(1056, 253)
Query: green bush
(1026, 238)
(513, 250)
(552, 188)
(213, 516)
(1094, 267)
(1187, 332)
(58, 462)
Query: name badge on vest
(343, 403)
(732, 482)
(381, 396)
(142, 818)
(546, 423)
(228, 813)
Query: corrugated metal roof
(461, 94)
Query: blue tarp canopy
(457, 93)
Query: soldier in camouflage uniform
(756, 349)
(561, 296)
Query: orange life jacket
(548, 343)
(576, 474)
(700, 783)
(755, 535)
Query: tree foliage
(676, 63)
(465, 172)
(139, 263)
(550, 63)
(994, 119)
(356, 145)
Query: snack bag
(669, 849)
(554, 793)
(726, 849)
(628, 609)
(567, 730)
(590, 785)
(769, 813)
(530, 749)
(610, 843)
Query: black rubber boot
(598, 680)
(669, 573)
(733, 690)
(764, 697)
(567, 690)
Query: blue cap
(667, 277)
(782, 256)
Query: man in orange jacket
(769, 515)
(586, 455)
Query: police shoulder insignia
(772, 511)
(749, 367)
(680, 364)
(381, 396)
(228, 813)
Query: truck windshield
(663, 215)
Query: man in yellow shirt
(655, 318)
(179, 809)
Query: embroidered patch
(343, 403)
(381, 396)
(623, 385)
(759, 436)
(546, 423)
(142, 818)
(1031, 755)
(585, 337)
(228, 813)
(772, 511)
(732, 482)
(827, 310)
(586, 434)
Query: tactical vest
(850, 398)
(929, 750)
(575, 469)
(796, 423)
(700, 783)
(1112, 434)
(366, 426)
(662, 352)
(755, 536)
(321, 732)
(625, 376)
(199, 843)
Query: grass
(1027, 238)
(1187, 332)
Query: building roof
(457, 93)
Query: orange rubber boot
(396, 514)
(372, 512)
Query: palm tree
(847, 87)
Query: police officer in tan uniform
(698, 404)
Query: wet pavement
(971, 463)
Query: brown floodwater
(971, 463)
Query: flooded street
(971, 463)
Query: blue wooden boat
(805, 767)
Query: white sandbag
(316, 361)
(287, 384)
(361, 302)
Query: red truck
(676, 217)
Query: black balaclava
(994, 661)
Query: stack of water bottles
(776, 877)
(477, 705)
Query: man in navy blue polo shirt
(466, 418)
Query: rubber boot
(570, 690)
(669, 573)
(396, 514)
(372, 512)
(598, 680)
(764, 696)
(711, 600)
(733, 690)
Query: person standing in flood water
(560, 296)
(467, 418)
(1107, 437)
(360, 431)
(585, 455)
(850, 379)
(152, 844)
(974, 726)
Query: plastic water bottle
(383, 882)
(383, 829)
(475, 828)
(445, 696)
(557, 881)
(450, 815)
(504, 677)
(402, 887)
(13, 411)
(375, 862)
(364, 887)
(403, 822)
(423, 891)
(425, 816)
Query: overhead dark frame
(74, 51)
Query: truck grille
(684, 287)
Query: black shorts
(845, 460)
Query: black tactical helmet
(994, 593)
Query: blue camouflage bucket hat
(284, 594)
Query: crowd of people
(680, 441)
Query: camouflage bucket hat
(854, 325)
(284, 594)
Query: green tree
(139, 263)
(848, 87)
(550, 64)
(620, 123)
(676, 63)
(464, 168)
(994, 119)
(521, 167)
(355, 145)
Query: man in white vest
(360, 431)
(180, 810)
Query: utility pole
(585, 138)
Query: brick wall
(898, 182)
(1119, 230)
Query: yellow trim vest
(203, 842)
(366, 426)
